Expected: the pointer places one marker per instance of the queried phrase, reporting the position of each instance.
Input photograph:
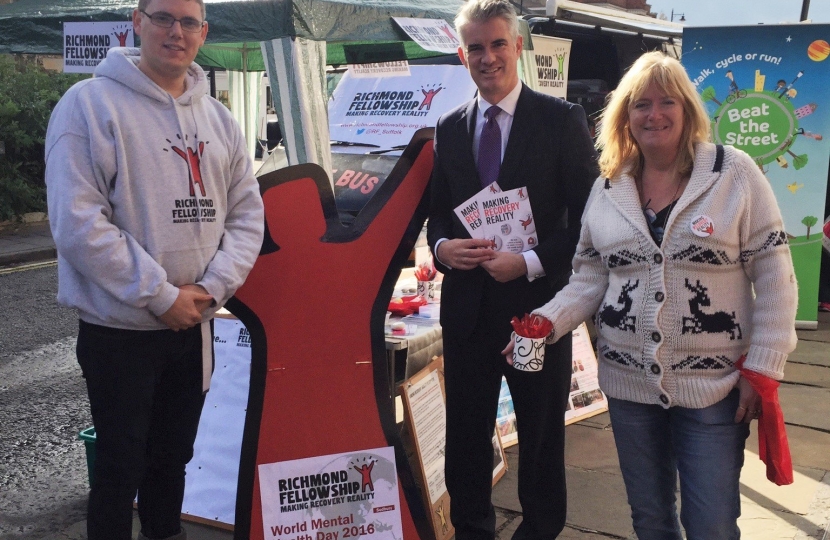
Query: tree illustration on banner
(809, 222)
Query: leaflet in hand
(503, 217)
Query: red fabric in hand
(773, 447)
(532, 326)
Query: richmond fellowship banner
(765, 88)
(387, 111)
(85, 44)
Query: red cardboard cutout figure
(314, 304)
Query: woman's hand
(508, 352)
(749, 406)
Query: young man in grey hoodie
(158, 220)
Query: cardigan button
(659, 296)
(655, 337)
(655, 369)
(664, 399)
(658, 258)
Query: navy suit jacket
(550, 151)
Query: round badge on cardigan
(702, 226)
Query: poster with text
(386, 111)
(431, 34)
(585, 398)
(399, 68)
(354, 494)
(551, 56)
(85, 44)
(765, 88)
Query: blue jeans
(145, 394)
(705, 446)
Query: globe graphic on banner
(761, 123)
(765, 123)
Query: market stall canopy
(36, 26)
(247, 56)
(570, 11)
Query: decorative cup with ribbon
(529, 336)
(425, 274)
(528, 353)
(426, 290)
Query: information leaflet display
(348, 495)
(425, 402)
(585, 398)
(425, 418)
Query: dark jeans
(145, 393)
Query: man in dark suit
(541, 143)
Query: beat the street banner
(765, 88)
(551, 56)
(387, 111)
(349, 495)
(85, 44)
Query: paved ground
(26, 242)
(596, 502)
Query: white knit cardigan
(672, 320)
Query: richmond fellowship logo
(198, 207)
(429, 95)
(193, 157)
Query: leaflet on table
(503, 217)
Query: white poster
(551, 56)
(431, 34)
(380, 69)
(85, 44)
(585, 399)
(387, 111)
(210, 490)
(354, 494)
(429, 417)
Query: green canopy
(299, 36)
(247, 56)
(36, 26)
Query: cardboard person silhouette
(315, 304)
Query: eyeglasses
(165, 20)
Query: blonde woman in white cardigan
(675, 237)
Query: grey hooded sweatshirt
(147, 193)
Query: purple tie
(489, 148)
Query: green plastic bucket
(88, 436)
